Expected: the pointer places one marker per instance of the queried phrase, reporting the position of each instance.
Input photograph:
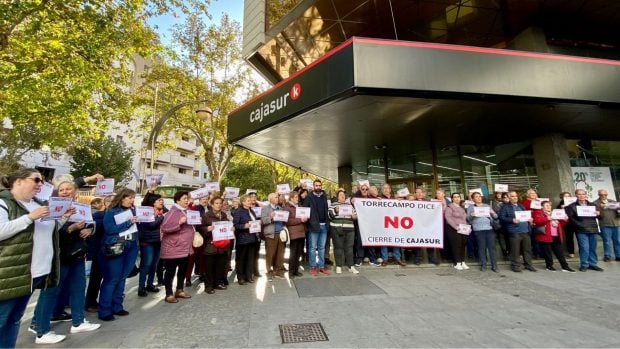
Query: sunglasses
(37, 180)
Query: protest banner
(400, 223)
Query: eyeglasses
(37, 180)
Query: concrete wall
(552, 166)
(253, 26)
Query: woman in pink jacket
(176, 246)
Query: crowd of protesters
(50, 255)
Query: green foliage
(106, 156)
(205, 66)
(65, 65)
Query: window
(185, 138)
(155, 166)
(204, 175)
(182, 155)
(196, 173)
(182, 171)
(119, 139)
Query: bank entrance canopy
(368, 95)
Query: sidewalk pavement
(415, 306)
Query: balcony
(183, 162)
(185, 145)
(160, 158)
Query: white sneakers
(50, 338)
(85, 327)
(353, 270)
(338, 270)
(461, 266)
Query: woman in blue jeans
(73, 249)
(27, 266)
(482, 229)
(115, 269)
(150, 245)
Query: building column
(552, 166)
(345, 178)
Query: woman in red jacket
(551, 240)
(176, 246)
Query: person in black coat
(245, 241)
(150, 245)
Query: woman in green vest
(28, 249)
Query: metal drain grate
(298, 333)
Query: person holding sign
(297, 234)
(480, 216)
(246, 241)
(215, 252)
(610, 225)
(551, 240)
(318, 226)
(274, 247)
(119, 221)
(582, 215)
(150, 244)
(176, 246)
(518, 231)
(455, 217)
(569, 230)
(343, 233)
(24, 266)
(73, 250)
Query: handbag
(198, 240)
(114, 250)
(540, 230)
(76, 250)
(284, 235)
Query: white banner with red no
(400, 223)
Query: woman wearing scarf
(176, 246)
(150, 245)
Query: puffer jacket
(16, 254)
(176, 240)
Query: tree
(206, 66)
(107, 156)
(65, 66)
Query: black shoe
(122, 313)
(568, 269)
(483, 268)
(142, 293)
(494, 269)
(584, 269)
(595, 267)
(107, 318)
(62, 317)
(606, 259)
(241, 282)
(551, 268)
(221, 287)
(152, 289)
(251, 281)
(328, 261)
(209, 290)
(516, 270)
(530, 268)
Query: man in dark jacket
(518, 232)
(586, 228)
(318, 225)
